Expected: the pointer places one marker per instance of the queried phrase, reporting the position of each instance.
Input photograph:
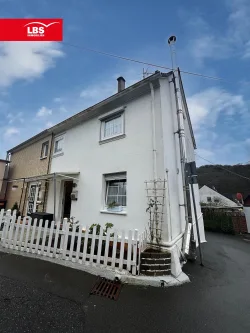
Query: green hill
(225, 182)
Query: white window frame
(115, 177)
(110, 117)
(60, 137)
(46, 143)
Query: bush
(218, 221)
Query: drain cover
(107, 288)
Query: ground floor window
(116, 190)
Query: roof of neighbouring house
(139, 88)
(206, 190)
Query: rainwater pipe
(169, 226)
(153, 130)
(181, 134)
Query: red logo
(31, 30)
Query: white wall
(176, 213)
(206, 192)
(132, 154)
(247, 214)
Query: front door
(32, 198)
(66, 203)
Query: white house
(211, 197)
(116, 148)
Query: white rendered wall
(132, 154)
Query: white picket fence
(119, 250)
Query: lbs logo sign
(31, 29)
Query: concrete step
(155, 255)
(155, 267)
(155, 273)
(157, 261)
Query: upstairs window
(45, 150)
(209, 199)
(112, 126)
(58, 145)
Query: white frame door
(32, 194)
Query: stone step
(155, 255)
(145, 267)
(158, 261)
(155, 273)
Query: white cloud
(205, 106)
(108, 87)
(11, 131)
(57, 99)
(44, 112)
(98, 91)
(18, 117)
(26, 60)
(63, 109)
(49, 124)
(207, 42)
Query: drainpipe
(182, 145)
(153, 130)
(49, 162)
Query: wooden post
(134, 252)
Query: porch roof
(50, 176)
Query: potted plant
(16, 208)
(114, 207)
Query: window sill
(118, 137)
(43, 158)
(110, 212)
(59, 154)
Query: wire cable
(140, 62)
(221, 167)
(116, 56)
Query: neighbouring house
(120, 161)
(210, 197)
(28, 161)
(3, 181)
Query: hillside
(223, 181)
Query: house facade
(121, 161)
(115, 151)
(27, 161)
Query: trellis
(155, 190)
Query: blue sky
(44, 83)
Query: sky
(42, 83)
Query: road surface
(38, 296)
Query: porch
(34, 191)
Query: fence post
(122, 251)
(65, 221)
(135, 252)
(6, 227)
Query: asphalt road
(37, 296)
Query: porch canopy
(56, 176)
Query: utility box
(74, 195)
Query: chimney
(121, 83)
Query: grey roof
(114, 101)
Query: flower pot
(115, 209)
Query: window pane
(58, 145)
(113, 127)
(111, 199)
(116, 192)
